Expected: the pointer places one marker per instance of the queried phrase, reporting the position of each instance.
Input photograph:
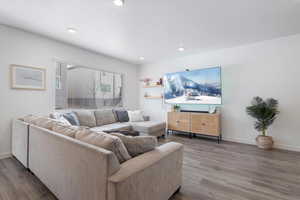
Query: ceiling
(154, 29)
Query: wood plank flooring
(211, 171)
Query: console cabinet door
(205, 124)
(179, 121)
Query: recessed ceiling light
(180, 49)
(72, 30)
(119, 3)
(142, 58)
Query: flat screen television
(202, 86)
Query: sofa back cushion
(104, 117)
(86, 118)
(29, 118)
(122, 115)
(43, 122)
(65, 129)
(137, 145)
(106, 141)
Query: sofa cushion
(148, 126)
(137, 145)
(135, 116)
(43, 122)
(106, 141)
(29, 118)
(72, 118)
(112, 127)
(104, 117)
(86, 118)
(122, 115)
(65, 129)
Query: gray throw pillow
(72, 118)
(106, 141)
(137, 145)
(122, 115)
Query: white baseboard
(238, 140)
(276, 146)
(287, 147)
(5, 155)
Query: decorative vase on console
(265, 113)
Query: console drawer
(179, 121)
(205, 124)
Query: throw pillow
(106, 141)
(122, 115)
(72, 118)
(64, 121)
(59, 116)
(86, 118)
(137, 145)
(104, 117)
(135, 116)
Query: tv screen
(202, 86)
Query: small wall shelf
(153, 97)
(152, 86)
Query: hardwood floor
(211, 171)
(17, 183)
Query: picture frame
(27, 77)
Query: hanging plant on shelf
(146, 81)
(265, 113)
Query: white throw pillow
(135, 116)
(58, 116)
(63, 120)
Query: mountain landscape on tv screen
(181, 89)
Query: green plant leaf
(265, 112)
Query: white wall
(266, 69)
(18, 47)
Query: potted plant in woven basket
(265, 113)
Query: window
(58, 77)
(86, 88)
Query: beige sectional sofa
(73, 169)
(106, 120)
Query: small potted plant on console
(176, 108)
(265, 113)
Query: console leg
(178, 190)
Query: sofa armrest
(71, 169)
(154, 175)
(20, 141)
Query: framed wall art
(28, 78)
